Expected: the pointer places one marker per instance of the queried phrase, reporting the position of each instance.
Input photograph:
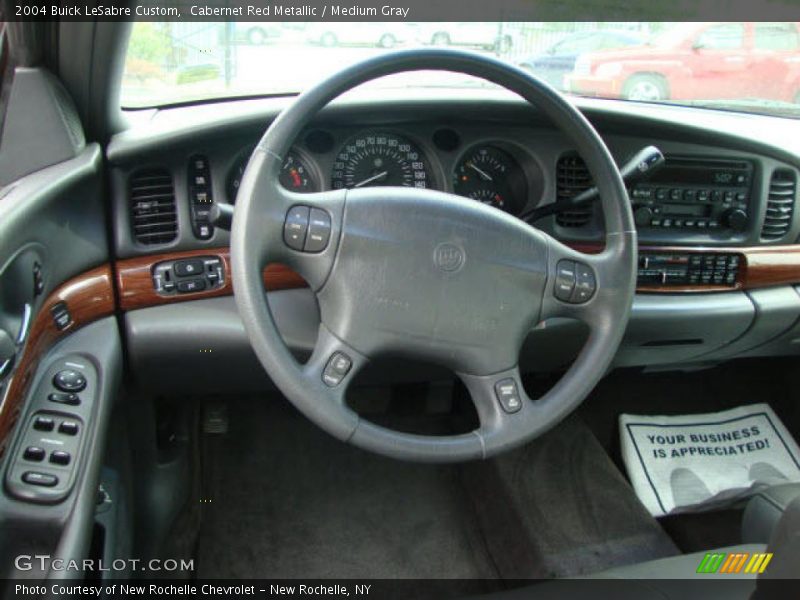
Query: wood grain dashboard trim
(88, 297)
(135, 279)
(762, 266)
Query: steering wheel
(429, 275)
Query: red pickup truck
(698, 61)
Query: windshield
(751, 67)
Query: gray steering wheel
(429, 275)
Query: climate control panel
(688, 269)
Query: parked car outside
(384, 35)
(257, 34)
(697, 61)
(559, 59)
(496, 37)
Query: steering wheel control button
(338, 366)
(59, 457)
(319, 231)
(33, 454)
(507, 394)
(42, 479)
(585, 284)
(64, 398)
(69, 380)
(565, 280)
(296, 226)
(44, 424)
(185, 268)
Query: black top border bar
(399, 10)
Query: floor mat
(559, 508)
(695, 462)
(289, 501)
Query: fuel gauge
(491, 175)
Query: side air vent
(780, 204)
(153, 217)
(572, 177)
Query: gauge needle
(371, 179)
(480, 172)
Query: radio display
(686, 210)
(710, 174)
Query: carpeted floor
(289, 501)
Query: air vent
(572, 177)
(153, 217)
(780, 204)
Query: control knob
(643, 215)
(736, 219)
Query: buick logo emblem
(448, 257)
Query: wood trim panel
(88, 297)
(135, 280)
(763, 266)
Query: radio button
(661, 194)
(716, 195)
(690, 195)
(675, 194)
(565, 280)
(585, 284)
(656, 222)
(678, 222)
(702, 224)
(689, 223)
(667, 223)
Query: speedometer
(379, 159)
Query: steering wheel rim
(365, 313)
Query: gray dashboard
(666, 330)
(226, 139)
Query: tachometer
(296, 175)
(379, 159)
(492, 176)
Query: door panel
(56, 312)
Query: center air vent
(153, 217)
(572, 177)
(780, 204)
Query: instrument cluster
(494, 172)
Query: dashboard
(718, 229)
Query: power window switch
(59, 457)
(33, 454)
(41, 479)
(43, 424)
(68, 428)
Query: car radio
(695, 193)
